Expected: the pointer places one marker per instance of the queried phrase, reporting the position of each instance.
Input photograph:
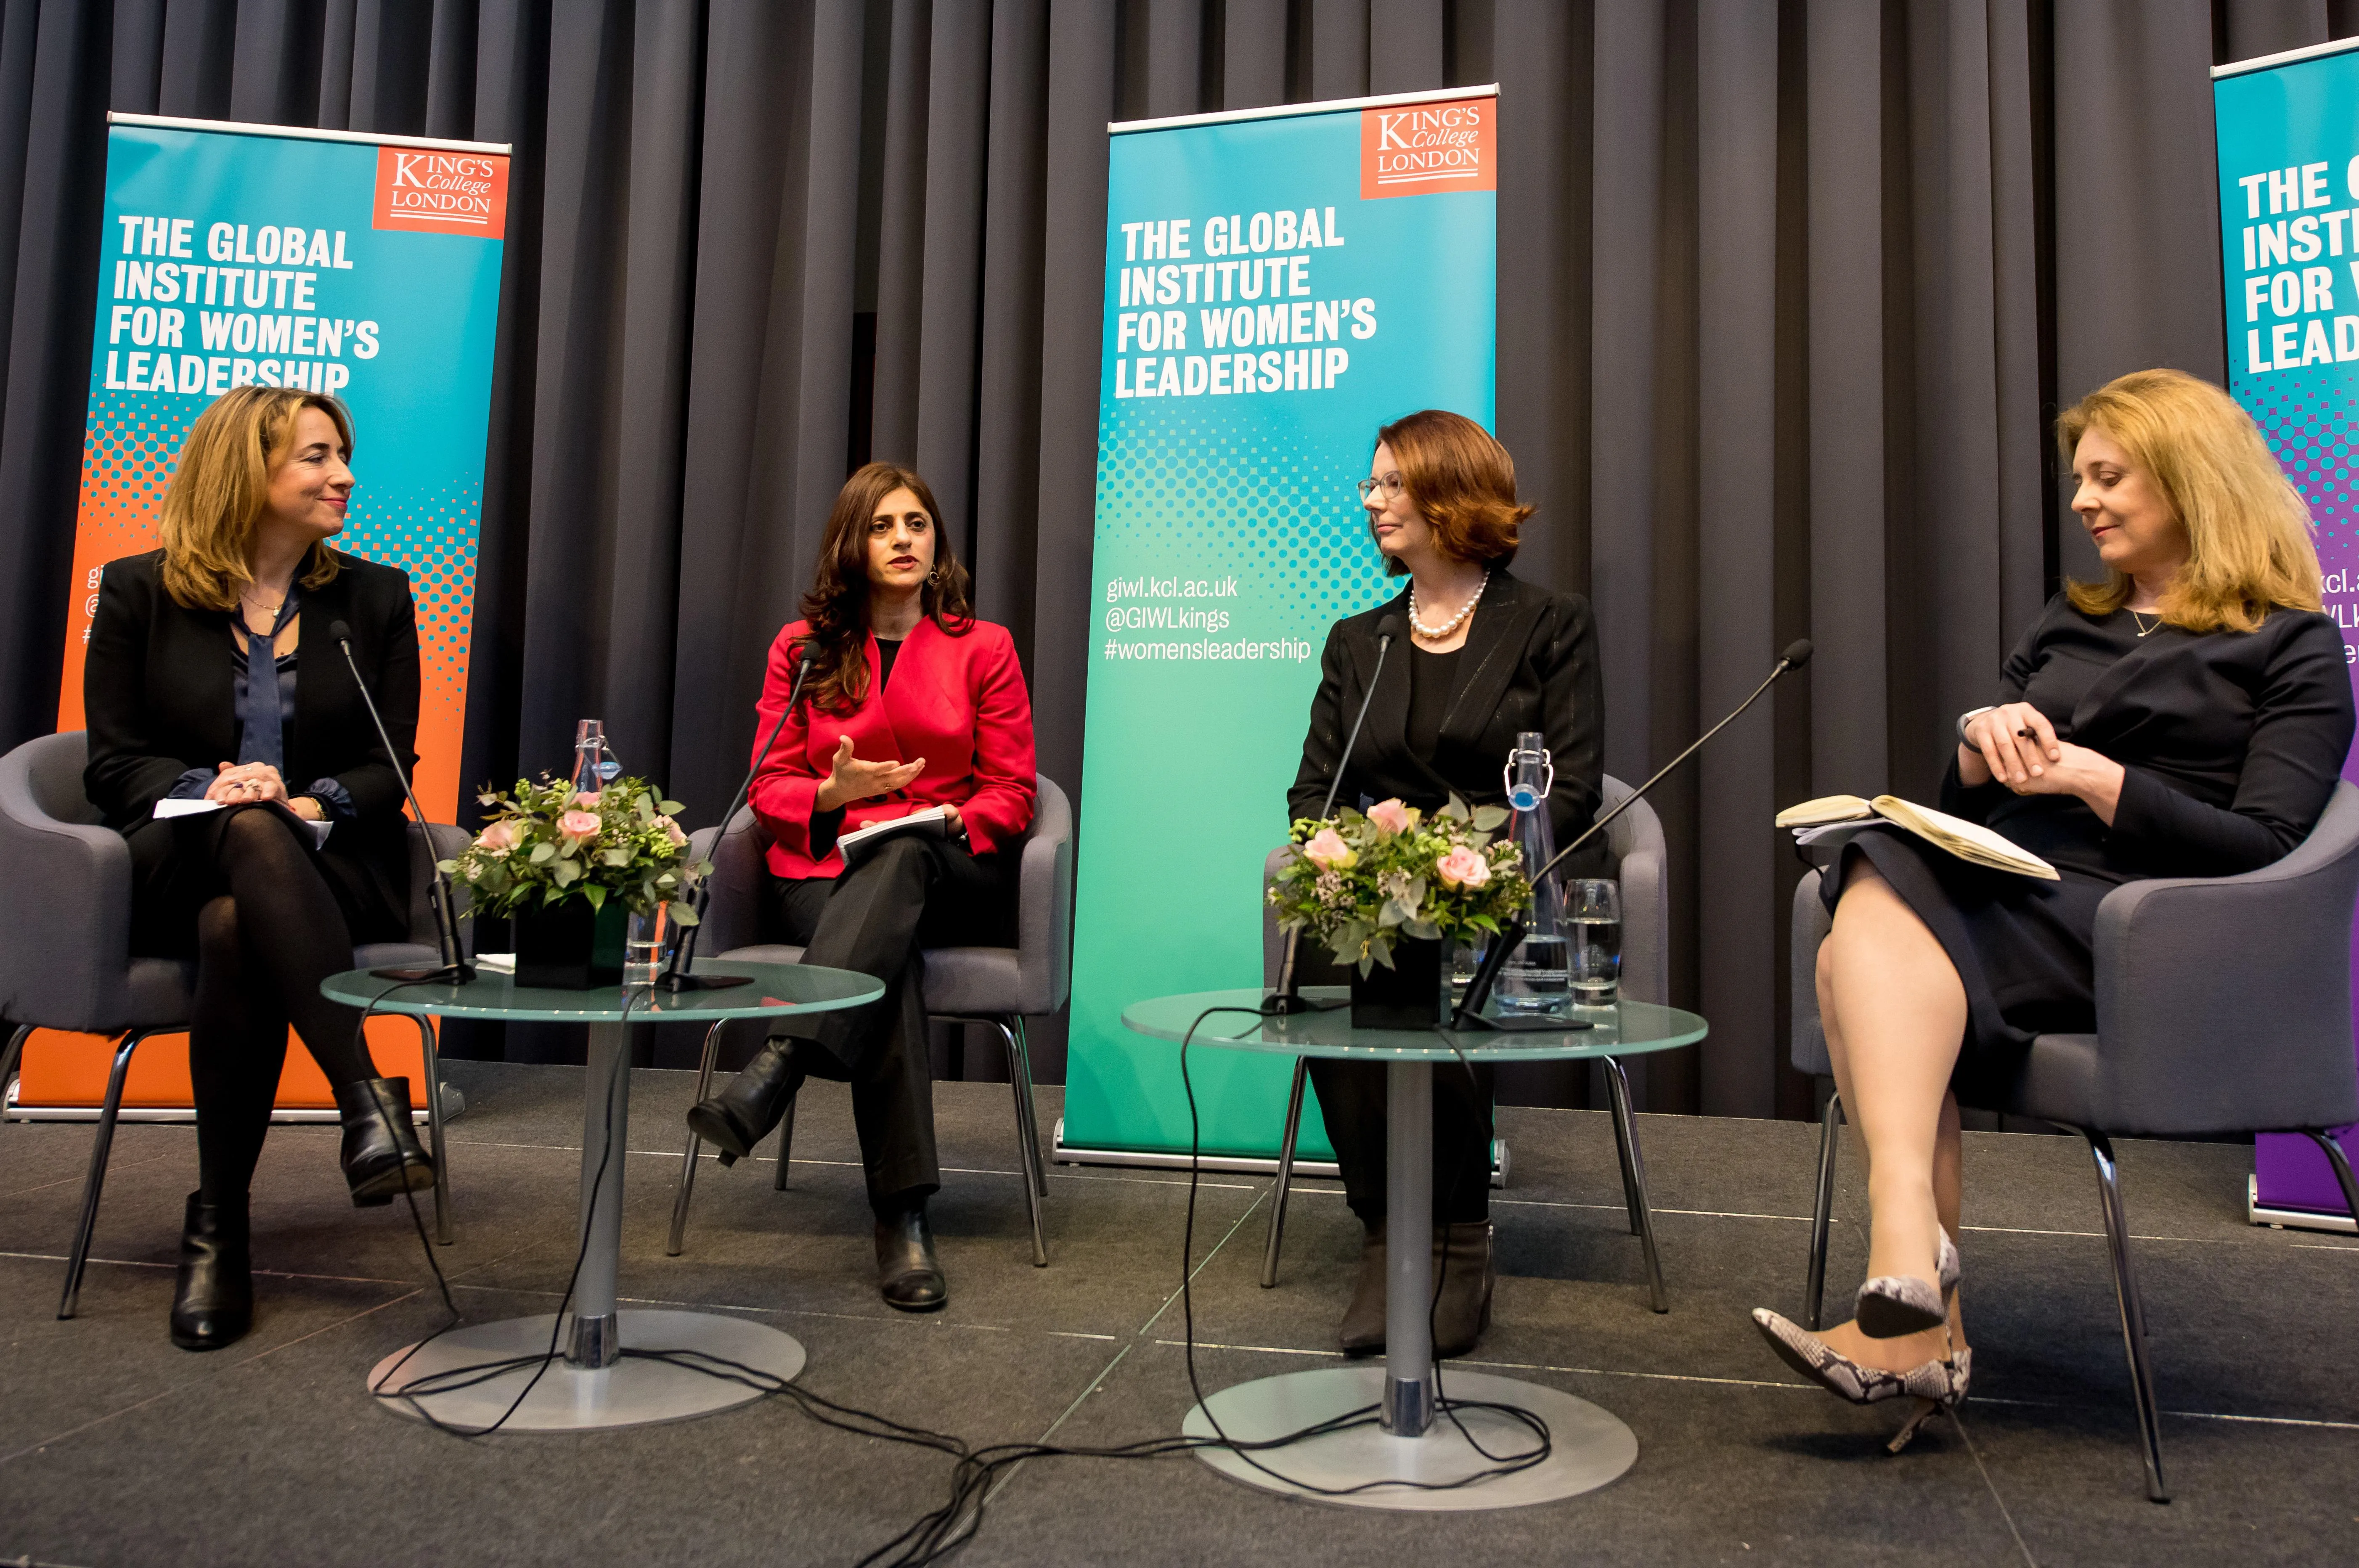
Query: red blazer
(958, 701)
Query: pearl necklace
(1437, 634)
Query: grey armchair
(996, 987)
(2179, 963)
(74, 968)
(1635, 840)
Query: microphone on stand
(1469, 1012)
(1287, 998)
(675, 977)
(455, 970)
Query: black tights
(264, 944)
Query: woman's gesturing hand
(2013, 744)
(852, 779)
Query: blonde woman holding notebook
(2186, 717)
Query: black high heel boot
(381, 1154)
(907, 1273)
(212, 1295)
(1463, 1309)
(741, 1114)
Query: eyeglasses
(1390, 484)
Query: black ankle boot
(1362, 1332)
(1462, 1311)
(741, 1114)
(212, 1295)
(907, 1272)
(381, 1155)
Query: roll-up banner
(2288, 135)
(1278, 284)
(364, 267)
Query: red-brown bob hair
(1464, 483)
(837, 605)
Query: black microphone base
(1287, 1004)
(1516, 1023)
(446, 974)
(676, 984)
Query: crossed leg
(1895, 1013)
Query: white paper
(169, 808)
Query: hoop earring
(934, 578)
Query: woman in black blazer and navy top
(1487, 657)
(265, 908)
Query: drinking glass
(647, 941)
(1593, 925)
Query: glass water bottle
(590, 770)
(1537, 978)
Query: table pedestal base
(1589, 1446)
(631, 1392)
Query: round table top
(1625, 1029)
(778, 988)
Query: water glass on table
(1592, 918)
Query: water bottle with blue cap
(1537, 978)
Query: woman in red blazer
(911, 702)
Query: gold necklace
(2145, 630)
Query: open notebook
(1839, 816)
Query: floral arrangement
(1362, 881)
(546, 841)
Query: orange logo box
(442, 192)
(1423, 147)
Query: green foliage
(544, 844)
(1360, 882)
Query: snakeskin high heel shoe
(1891, 1305)
(1938, 1387)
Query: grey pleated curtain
(1789, 291)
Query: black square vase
(570, 946)
(1414, 994)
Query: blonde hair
(220, 486)
(2248, 530)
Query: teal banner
(1277, 286)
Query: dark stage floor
(117, 1449)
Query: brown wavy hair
(1462, 481)
(221, 485)
(837, 605)
(2248, 544)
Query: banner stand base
(2292, 1219)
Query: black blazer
(1530, 663)
(2230, 742)
(158, 696)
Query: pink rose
(671, 831)
(500, 837)
(580, 826)
(1464, 868)
(1329, 852)
(1392, 817)
(586, 798)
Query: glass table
(1415, 1441)
(595, 1385)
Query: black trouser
(1351, 1099)
(875, 918)
(267, 929)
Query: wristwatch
(1969, 716)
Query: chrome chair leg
(1634, 1179)
(1621, 1158)
(10, 1055)
(1026, 1155)
(687, 1186)
(1285, 1174)
(1814, 1294)
(786, 1146)
(431, 1056)
(1030, 1108)
(95, 1183)
(2125, 1293)
(2325, 1140)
